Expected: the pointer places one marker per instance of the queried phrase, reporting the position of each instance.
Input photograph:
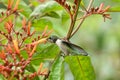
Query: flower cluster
(13, 43)
(11, 9)
(100, 10)
(13, 63)
(70, 9)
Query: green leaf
(2, 77)
(31, 69)
(34, 3)
(114, 9)
(81, 67)
(40, 24)
(44, 52)
(26, 9)
(2, 6)
(57, 72)
(53, 14)
(65, 17)
(46, 8)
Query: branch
(73, 19)
(82, 20)
(51, 64)
(90, 4)
(84, 17)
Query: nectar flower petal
(40, 68)
(45, 71)
(24, 24)
(28, 28)
(2, 55)
(33, 50)
(39, 41)
(16, 5)
(44, 32)
(15, 43)
(10, 3)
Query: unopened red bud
(6, 35)
(2, 33)
(96, 9)
(1, 19)
(23, 38)
(21, 71)
(23, 60)
(17, 76)
(69, 7)
(17, 33)
(32, 33)
(35, 39)
(20, 34)
(10, 65)
(2, 13)
(20, 63)
(66, 5)
(73, 7)
(38, 37)
(100, 7)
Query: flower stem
(73, 19)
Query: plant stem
(82, 20)
(6, 17)
(84, 17)
(51, 64)
(90, 4)
(73, 19)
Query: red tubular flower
(1, 68)
(44, 72)
(8, 26)
(9, 49)
(40, 68)
(2, 55)
(45, 30)
(24, 24)
(39, 41)
(33, 50)
(0, 19)
(28, 28)
(15, 45)
(106, 9)
(10, 3)
(100, 7)
(16, 6)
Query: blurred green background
(100, 39)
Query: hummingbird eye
(49, 38)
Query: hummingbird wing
(76, 50)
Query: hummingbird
(66, 47)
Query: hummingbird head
(52, 38)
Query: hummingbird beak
(49, 40)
